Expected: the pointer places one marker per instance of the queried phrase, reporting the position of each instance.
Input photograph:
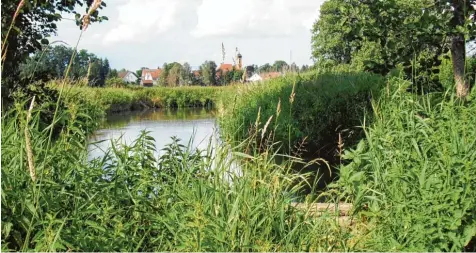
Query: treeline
(209, 74)
(416, 36)
(53, 63)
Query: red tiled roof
(225, 67)
(270, 75)
(122, 74)
(155, 73)
(196, 73)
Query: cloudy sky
(147, 33)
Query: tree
(164, 75)
(32, 27)
(265, 68)
(95, 77)
(293, 67)
(139, 72)
(106, 67)
(113, 73)
(279, 65)
(462, 25)
(378, 36)
(208, 73)
(173, 78)
(186, 75)
(52, 63)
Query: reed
(413, 176)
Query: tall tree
(139, 72)
(34, 23)
(379, 35)
(164, 75)
(208, 73)
(174, 74)
(462, 27)
(265, 68)
(186, 75)
(279, 65)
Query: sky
(148, 33)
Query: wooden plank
(343, 209)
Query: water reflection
(185, 123)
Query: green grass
(324, 106)
(130, 200)
(413, 177)
(125, 99)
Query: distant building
(255, 78)
(225, 67)
(150, 77)
(270, 75)
(128, 76)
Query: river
(197, 125)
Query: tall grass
(126, 99)
(322, 105)
(131, 200)
(413, 177)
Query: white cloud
(254, 18)
(138, 19)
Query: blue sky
(147, 33)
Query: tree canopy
(34, 23)
(379, 35)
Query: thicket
(132, 200)
(307, 111)
(413, 176)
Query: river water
(197, 125)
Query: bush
(323, 105)
(413, 178)
(115, 82)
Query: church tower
(240, 61)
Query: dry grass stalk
(87, 17)
(17, 12)
(293, 94)
(340, 145)
(278, 108)
(266, 126)
(29, 150)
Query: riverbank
(114, 100)
(131, 200)
(410, 177)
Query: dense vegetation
(125, 99)
(413, 176)
(389, 106)
(378, 36)
(121, 202)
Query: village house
(150, 77)
(263, 76)
(227, 67)
(270, 75)
(128, 76)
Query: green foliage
(35, 23)
(413, 176)
(378, 35)
(322, 106)
(129, 200)
(446, 76)
(125, 99)
(208, 73)
(279, 66)
(115, 82)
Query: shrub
(413, 177)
